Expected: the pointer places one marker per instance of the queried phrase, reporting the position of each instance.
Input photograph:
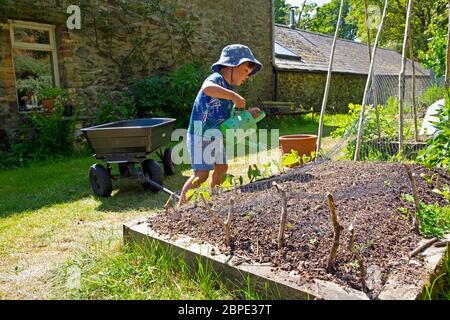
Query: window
(34, 59)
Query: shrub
(41, 135)
(50, 92)
(156, 96)
(437, 152)
(433, 94)
(119, 107)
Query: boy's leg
(202, 176)
(219, 171)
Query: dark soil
(367, 195)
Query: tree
(434, 54)
(281, 12)
(304, 21)
(326, 17)
(447, 56)
(421, 17)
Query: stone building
(301, 66)
(119, 40)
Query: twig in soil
(337, 232)
(225, 224)
(169, 203)
(351, 240)
(416, 197)
(257, 246)
(283, 214)
(354, 249)
(438, 182)
(423, 247)
(441, 244)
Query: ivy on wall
(138, 23)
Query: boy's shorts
(204, 154)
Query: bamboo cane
(374, 88)
(327, 85)
(414, 106)
(369, 77)
(401, 80)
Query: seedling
(229, 181)
(428, 180)
(197, 193)
(388, 183)
(293, 159)
(253, 172)
(445, 192)
(313, 241)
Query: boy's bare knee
(202, 175)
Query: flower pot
(48, 105)
(304, 144)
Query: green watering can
(243, 120)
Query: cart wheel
(169, 166)
(152, 169)
(100, 180)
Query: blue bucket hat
(235, 54)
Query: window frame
(35, 46)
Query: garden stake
(438, 182)
(358, 257)
(416, 197)
(337, 232)
(351, 240)
(227, 224)
(423, 247)
(169, 203)
(283, 215)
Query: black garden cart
(128, 143)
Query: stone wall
(308, 88)
(116, 44)
(8, 103)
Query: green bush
(433, 94)
(184, 85)
(156, 96)
(41, 135)
(50, 92)
(437, 152)
(121, 107)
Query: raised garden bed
(367, 195)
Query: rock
(294, 274)
(415, 263)
(374, 278)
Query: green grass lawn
(59, 241)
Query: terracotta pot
(304, 144)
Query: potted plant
(48, 95)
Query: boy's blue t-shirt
(210, 111)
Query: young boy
(213, 106)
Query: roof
(313, 51)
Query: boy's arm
(214, 90)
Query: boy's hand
(238, 101)
(254, 112)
